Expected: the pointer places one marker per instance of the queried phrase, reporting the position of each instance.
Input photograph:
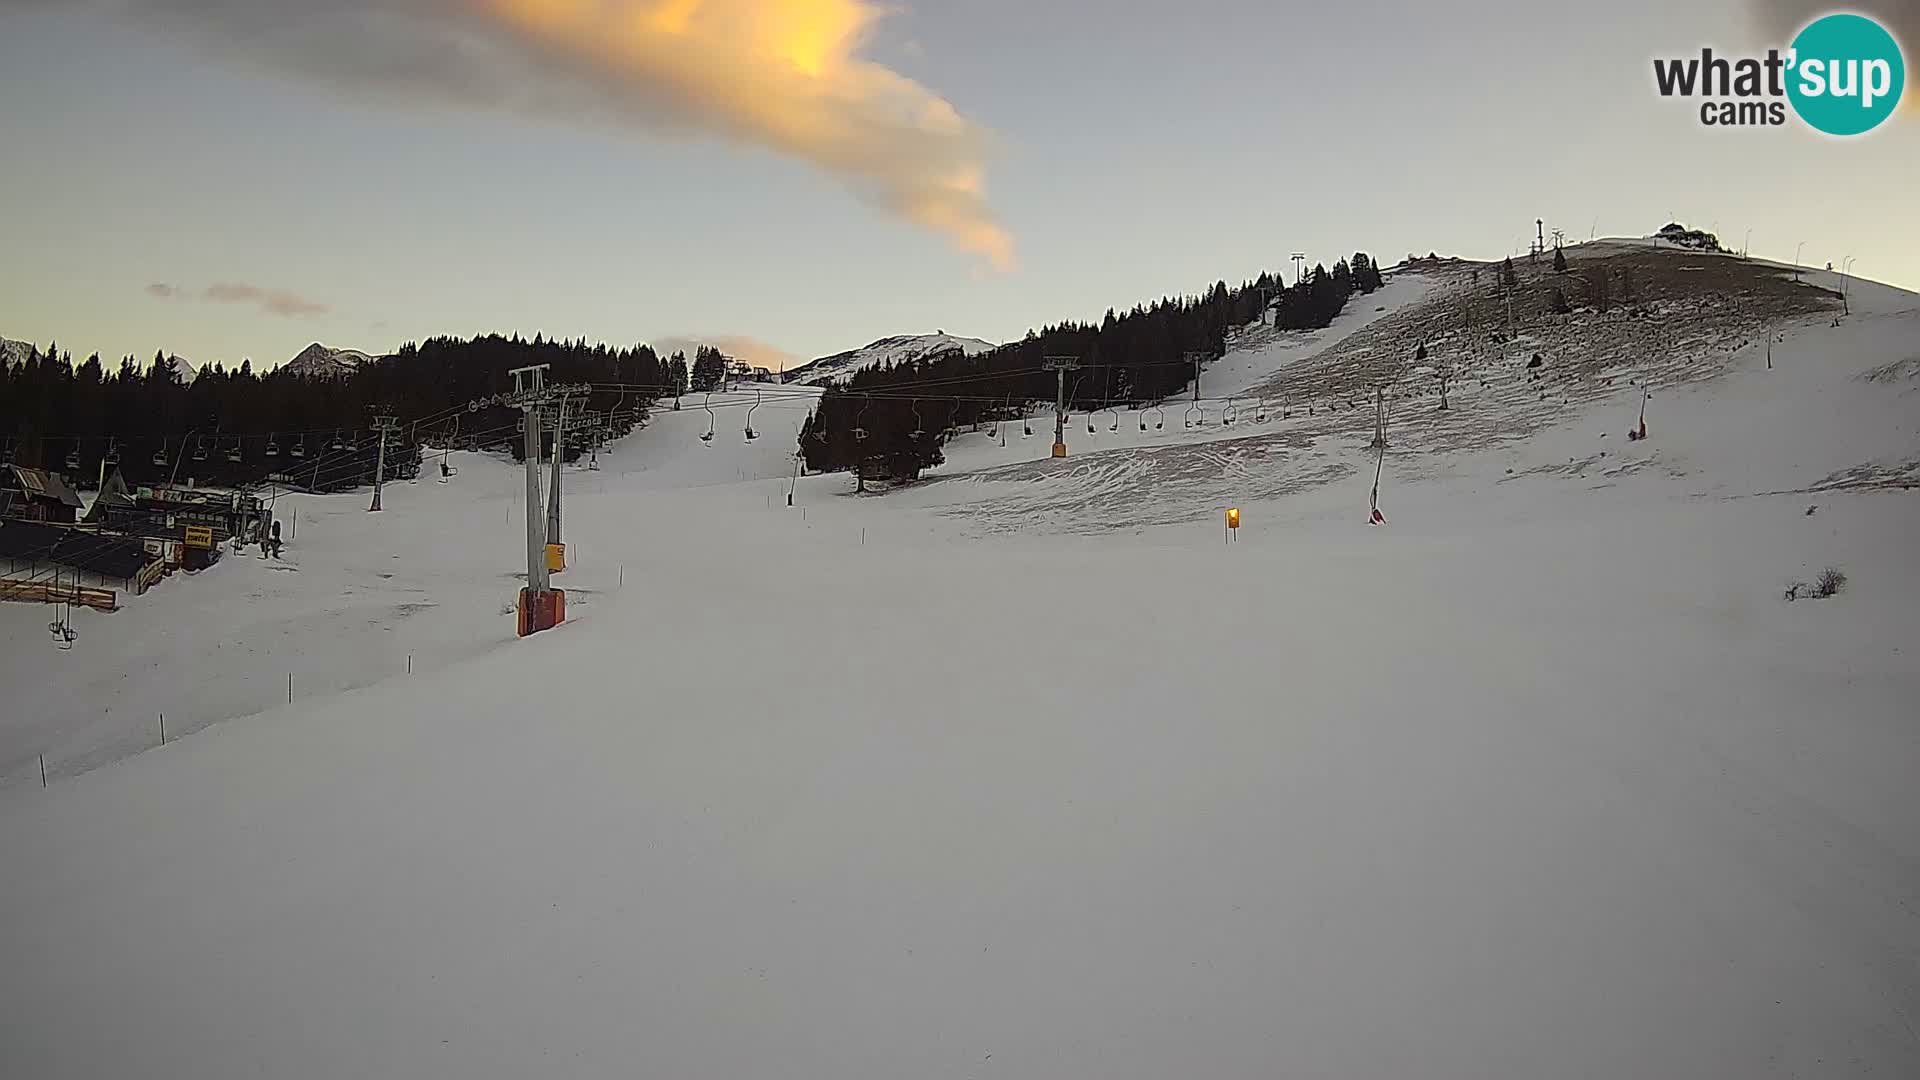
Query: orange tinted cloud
(786, 75)
(275, 301)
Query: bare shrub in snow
(1831, 582)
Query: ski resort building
(37, 495)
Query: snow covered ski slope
(1026, 771)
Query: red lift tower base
(541, 610)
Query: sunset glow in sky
(236, 178)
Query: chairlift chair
(1229, 414)
(752, 434)
(73, 459)
(918, 432)
(712, 420)
(233, 453)
(160, 458)
(273, 445)
(113, 452)
(339, 444)
(200, 449)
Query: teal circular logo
(1846, 74)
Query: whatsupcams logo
(1844, 75)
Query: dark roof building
(27, 547)
(37, 495)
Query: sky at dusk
(237, 178)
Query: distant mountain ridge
(317, 361)
(901, 349)
(19, 352)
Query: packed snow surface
(1543, 779)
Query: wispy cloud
(163, 291)
(276, 301)
(746, 349)
(782, 75)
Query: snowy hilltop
(903, 349)
(320, 362)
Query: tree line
(898, 415)
(236, 426)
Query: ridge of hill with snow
(902, 349)
(318, 361)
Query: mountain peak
(899, 349)
(318, 361)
